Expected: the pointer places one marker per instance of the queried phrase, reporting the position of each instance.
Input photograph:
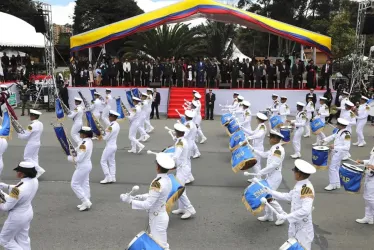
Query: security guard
(284, 110)
(190, 136)
(18, 204)
(32, 135)
(322, 113)
(154, 202)
(301, 198)
(298, 126)
(80, 182)
(362, 117)
(76, 115)
(273, 172)
(108, 106)
(309, 109)
(341, 146)
(134, 119)
(109, 153)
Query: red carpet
(176, 100)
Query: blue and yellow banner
(235, 140)
(58, 110)
(5, 129)
(185, 10)
(119, 109)
(252, 197)
(136, 93)
(129, 98)
(92, 123)
(62, 138)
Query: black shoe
(211, 119)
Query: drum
(169, 150)
(183, 119)
(335, 130)
(320, 156)
(226, 118)
(177, 190)
(232, 127)
(286, 132)
(317, 125)
(242, 159)
(350, 177)
(252, 197)
(265, 112)
(292, 244)
(235, 140)
(143, 241)
(276, 122)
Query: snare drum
(169, 150)
(232, 127)
(292, 244)
(286, 132)
(320, 157)
(317, 126)
(252, 197)
(276, 122)
(226, 118)
(265, 112)
(176, 191)
(183, 119)
(143, 241)
(335, 130)
(350, 177)
(242, 159)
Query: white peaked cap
(112, 112)
(35, 112)
(189, 113)
(180, 127)
(276, 133)
(343, 122)
(165, 161)
(261, 116)
(304, 166)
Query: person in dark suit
(210, 98)
(326, 73)
(297, 73)
(247, 70)
(284, 73)
(135, 72)
(272, 75)
(156, 102)
(311, 77)
(314, 100)
(200, 69)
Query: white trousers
(360, 130)
(335, 163)
(158, 226)
(3, 147)
(257, 168)
(369, 209)
(147, 121)
(141, 127)
(195, 149)
(274, 179)
(303, 232)
(75, 132)
(31, 154)
(108, 161)
(182, 175)
(80, 182)
(190, 154)
(296, 141)
(15, 232)
(320, 137)
(132, 135)
(200, 132)
(307, 125)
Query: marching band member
(322, 113)
(350, 116)
(32, 135)
(284, 110)
(298, 125)
(198, 118)
(342, 144)
(309, 115)
(258, 136)
(190, 136)
(345, 98)
(109, 153)
(134, 120)
(76, 115)
(368, 190)
(362, 116)
(245, 122)
(80, 181)
(97, 106)
(301, 198)
(154, 201)
(18, 204)
(148, 125)
(144, 112)
(274, 108)
(235, 102)
(180, 157)
(273, 172)
(108, 106)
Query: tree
(64, 39)
(23, 9)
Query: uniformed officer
(108, 106)
(97, 106)
(257, 136)
(350, 116)
(80, 181)
(368, 190)
(345, 98)
(309, 109)
(284, 110)
(235, 102)
(180, 157)
(76, 114)
(18, 204)
(298, 126)
(134, 119)
(108, 159)
(190, 136)
(301, 198)
(273, 110)
(273, 172)
(245, 122)
(198, 120)
(322, 113)
(362, 117)
(144, 113)
(148, 126)
(341, 146)
(32, 135)
(154, 202)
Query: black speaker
(39, 23)
(367, 27)
(155, 85)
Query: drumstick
(265, 201)
(167, 128)
(176, 110)
(133, 190)
(151, 152)
(186, 101)
(249, 174)
(331, 125)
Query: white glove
(3, 185)
(126, 198)
(94, 138)
(70, 158)
(282, 216)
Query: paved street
(221, 222)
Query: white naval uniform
(108, 106)
(76, 115)
(239, 114)
(362, 117)
(369, 190)
(234, 106)
(300, 218)
(322, 113)
(342, 107)
(143, 111)
(97, 107)
(284, 111)
(351, 117)
(154, 203)
(309, 109)
(3, 148)
(198, 120)
(32, 135)
(80, 181)
(257, 136)
(274, 111)
(190, 136)
(273, 172)
(15, 232)
(180, 156)
(134, 119)
(342, 144)
(299, 130)
(108, 158)
(246, 121)
(148, 126)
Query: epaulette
(262, 127)
(247, 113)
(367, 107)
(14, 193)
(155, 185)
(134, 110)
(180, 143)
(76, 109)
(29, 128)
(352, 114)
(306, 192)
(109, 129)
(187, 125)
(277, 153)
(347, 135)
(82, 147)
(286, 106)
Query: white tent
(236, 53)
(15, 32)
(11, 52)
